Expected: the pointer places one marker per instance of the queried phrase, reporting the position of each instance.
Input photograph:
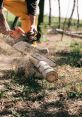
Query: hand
(33, 29)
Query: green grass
(10, 18)
(54, 22)
(73, 57)
(64, 23)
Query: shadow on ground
(73, 58)
(27, 97)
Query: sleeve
(32, 6)
(1, 4)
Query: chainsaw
(19, 34)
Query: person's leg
(4, 27)
(19, 8)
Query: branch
(69, 21)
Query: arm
(32, 8)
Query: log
(38, 60)
(39, 54)
(29, 57)
(25, 47)
(19, 44)
(47, 71)
(69, 33)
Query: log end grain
(52, 77)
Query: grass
(72, 56)
(10, 18)
(54, 22)
(64, 24)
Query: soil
(33, 97)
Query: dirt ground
(20, 97)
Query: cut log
(48, 72)
(46, 65)
(27, 54)
(40, 57)
(37, 53)
(8, 64)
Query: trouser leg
(19, 8)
